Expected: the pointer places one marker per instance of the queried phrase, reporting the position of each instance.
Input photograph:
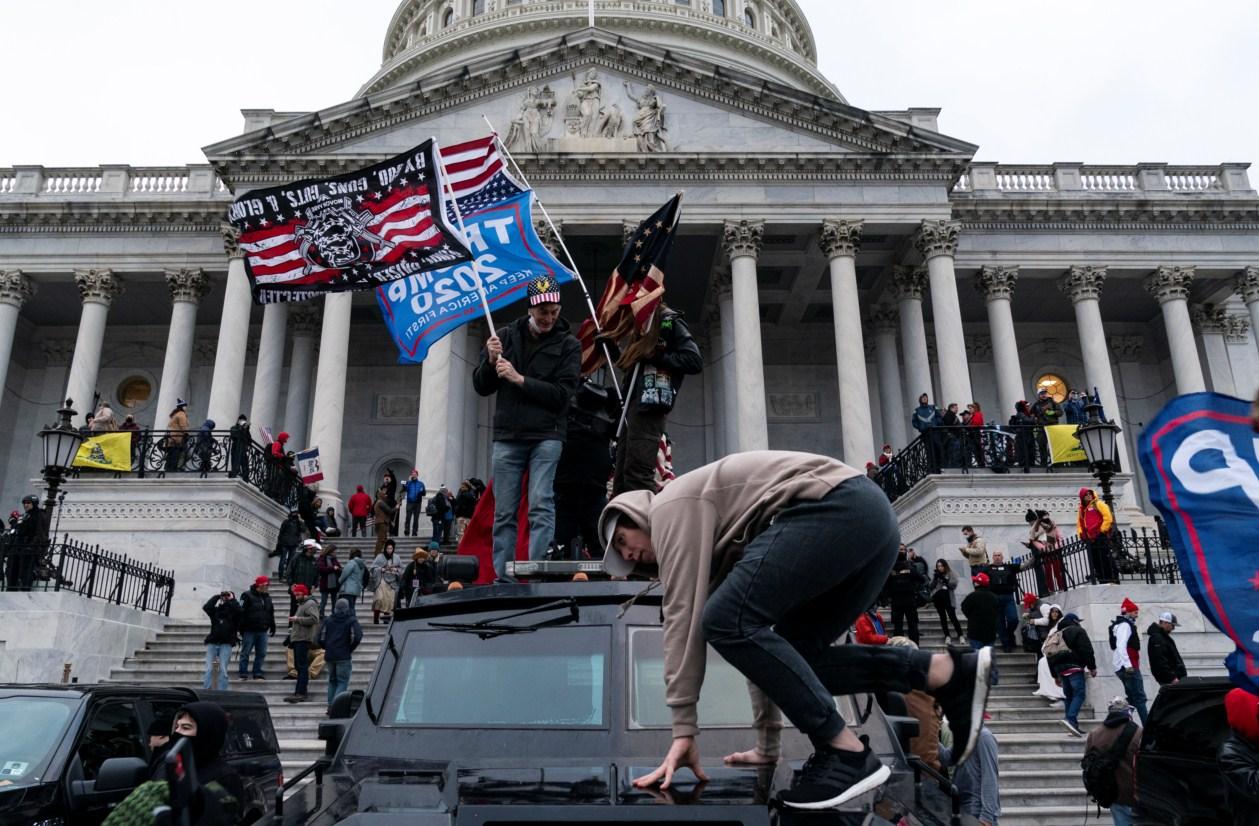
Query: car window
(30, 728)
(1193, 725)
(113, 731)
(249, 732)
(553, 677)
(724, 700)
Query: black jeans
(636, 451)
(799, 586)
(414, 509)
(1101, 566)
(947, 614)
(358, 526)
(301, 662)
(902, 611)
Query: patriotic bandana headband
(543, 291)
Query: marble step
(1051, 815)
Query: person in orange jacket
(1094, 521)
(869, 627)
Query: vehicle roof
(524, 595)
(96, 689)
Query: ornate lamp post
(61, 444)
(1099, 440)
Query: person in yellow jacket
(1094, 521)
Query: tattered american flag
(633, 293)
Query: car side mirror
(332, 732)
(345, 704)
(121, 774)
(904, 729)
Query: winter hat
(1168, 616)
(1118, 704)
(180, 403)
(543, 290)
(282, 438)
(262, 580)
(1128, 607)
(1242, 709)
(360, 488)
(1029, 601)
(980, 580)
(300, 590)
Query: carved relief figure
(649, 122)
(610, 121)
(529, 129)
(589, 97)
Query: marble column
(439, 430)
(996, 285)
(98, 289)
(729, 377)
(187, 288)
(937, 241)
(1212, 325)
(884, 321)
(1246, 285)
(1084, 287)
(908, 284)
(264, 405)
(1170, 285)
(229, 358)
(1242, 357)
(15, 289)
(328, 414)
(839, 241)
(742, 240)
(305, 318)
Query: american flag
(633, 294)
(477, 176)
(349, 232)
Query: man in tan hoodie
(770, 556)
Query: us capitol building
(835, 262)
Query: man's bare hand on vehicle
(683, 754)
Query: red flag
(478, 537)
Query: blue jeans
(338, 677)
(511, 460)
(222, 653)
(799, 585)
(1009, 620)
(255, 641)
(1075, 691)
(1121, 814)
(1134, 688)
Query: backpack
(1054, 644)
(1099, 768)
(431, 508)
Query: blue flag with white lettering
(420, 310)
(1201, 462)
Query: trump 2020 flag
(349, 232)
(420, 309)
(1201, 463)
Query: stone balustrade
(115, 181)
(991, 179)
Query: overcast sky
(149, 82)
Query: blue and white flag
(1201, 462)
(419, 311)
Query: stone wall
(43, 631)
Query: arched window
(448, 17)
(749, 17)
(1056, 385)
(719, 8)
(424, 29)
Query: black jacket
(340, 634)
(224, 620)
(290, 532)
(538, 410)
(676, 353)
(902, 587)
(303, 570)
(982, 612)
(1163, 655)
(257, 611)
(465, 504)
(1239, 763)
(1079, 652)
(1003, 578)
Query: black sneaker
(964, 697)
(831, 778)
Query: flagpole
(446, 185)
(581, 282)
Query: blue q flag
(418, 311)
(1201, 462)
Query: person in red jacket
(870, 630)
(359, 506)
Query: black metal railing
(162, 453)
(969, 449)
(1132, 556)
(87, 570)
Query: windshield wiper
(490, 628)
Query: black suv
(1178, 780)
(64, 749)
(541, 703)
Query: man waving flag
(633, 294)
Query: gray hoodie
(699, 525)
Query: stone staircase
(1040, 761)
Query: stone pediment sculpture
(529, 130)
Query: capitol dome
(767, 38)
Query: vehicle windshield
(30, 728)
(546, 678)
(724, 701)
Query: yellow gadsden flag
(1064, 447)
(108, 451)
